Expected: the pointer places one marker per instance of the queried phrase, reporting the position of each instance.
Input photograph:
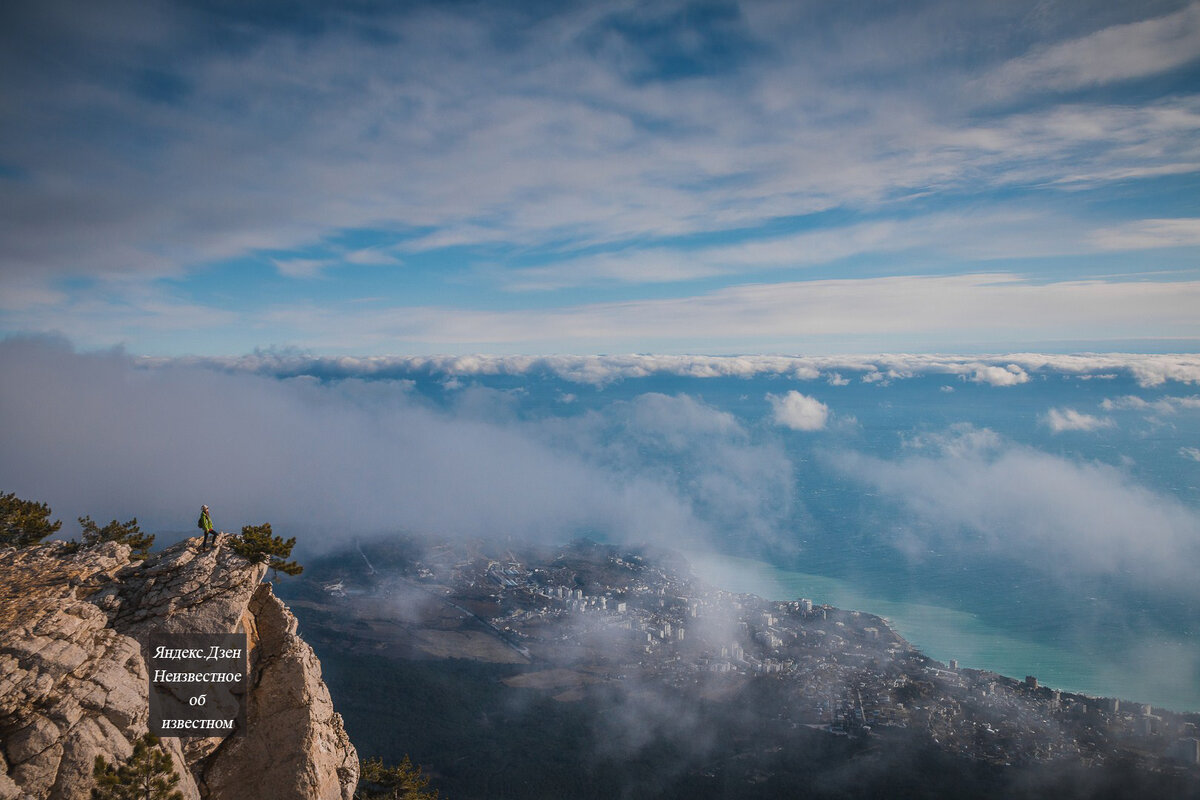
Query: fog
(95, 434)
(110, 436)
(972, 490)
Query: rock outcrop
(74, 685)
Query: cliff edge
(74, 685)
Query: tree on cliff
(24, 522)
(124, 532)
(149, 774)
(258, 544)
(401, 782)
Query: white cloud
(997, 233)
(958, 441)
(467, 141)
(876, 376)
(798, 411)
(659, 265)
(103, 435)
(703, 453)
(1068, 419)
(1150, 233)
(1116, 53)
(477, 137)
(28, 294)
(1190, 452)
(681, 418)
(300, 267)
(978, 307)
(1152, 372)
(976, 492)
(1149, 370)
(1010, 375)
(1163, 405)
(96, 435)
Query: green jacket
(204, 523)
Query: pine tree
(258, 544)
(401, 782)
(149, 774)
(24, 522)
(124, 532)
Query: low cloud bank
(732, 482)
(1002, 370)
(971, 490)
(1163, 405)
(106, 435)
(96, 434)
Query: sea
(1047, 525)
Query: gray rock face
(289, 702)
(73, 681)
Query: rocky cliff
(74, 685)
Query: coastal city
(588, 614)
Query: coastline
(944, 633)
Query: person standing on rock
(205, 524)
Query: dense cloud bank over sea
(96, 434)
(971, 489)
(1050, 501)
(655, 447)
(996, 370)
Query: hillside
(595, 671)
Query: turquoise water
(1009, 558)
(951, 563)
(1157, 670)
(949, 506)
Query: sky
(218, 178)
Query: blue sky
(418, 178)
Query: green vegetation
(24, 522)
(149, 774)
(258, 544)
(27, 522)
(401, 782)
(124, 532)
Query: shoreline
(944, 633)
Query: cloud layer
(752, 176)
(679, 120)
(93, 434)
(1004, 370)
(975, 492)
(275, 437)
